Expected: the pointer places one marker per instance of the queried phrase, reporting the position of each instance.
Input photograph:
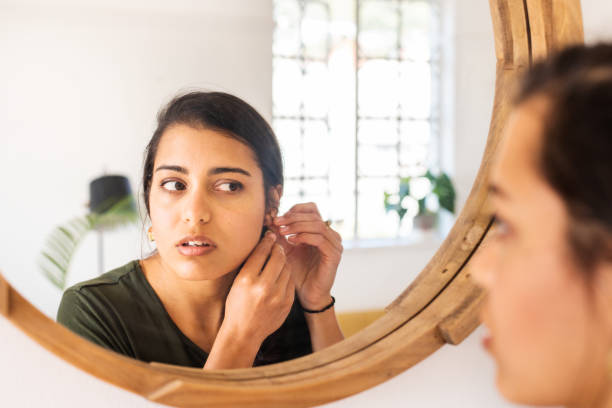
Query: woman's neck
(598, 396)
(196, 307)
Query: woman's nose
(482, 264)
(196, 208)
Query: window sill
(415, 241)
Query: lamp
(106, 193)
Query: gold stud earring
(150, 234)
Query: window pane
(378, 161)
(286, 28)
(374, 221)
(378, 132)
(415, 85)
(287, 87)
(416, 30)
(316, 90)
(378, 28)
(316, 148)
(378, 88)
(316, 187)
(289, 137)
(416, 148)
(415, 132)
(291, 190)
(316, 29)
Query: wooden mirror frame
(440, 306)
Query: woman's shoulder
(109, 294)
(114, 277)
(99, 309)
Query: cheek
(161, 213)
(242, 222)
(537, 310)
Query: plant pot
(425, 222)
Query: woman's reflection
(548, 265)
(219, 291)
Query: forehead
(201, 148)
(516, 168)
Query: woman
(219, 290)
(548, 265)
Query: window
(355, 104)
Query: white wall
(81, 85)
(62, 65)
(461, 375)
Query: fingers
(275, 264)
(285, 281)
(320, 242)
(258, 257)
(304, 208)
(286, 285)
(296, 223)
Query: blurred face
(548, 331)
(207, 202)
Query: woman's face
(207, 202)
(547, 333)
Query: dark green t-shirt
(120, 311)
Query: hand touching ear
(258, 303)
(313, 252)
(274, 196)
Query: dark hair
(225, 113)
(576, 153)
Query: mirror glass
(367, 132)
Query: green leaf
(401, 212)
(404, 187)
(422, 207)
(54, 279)
(67, 233)
(446, 192)
(63, 241)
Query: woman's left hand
(313, 251)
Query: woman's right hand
(257, 305)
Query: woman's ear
(274, 195)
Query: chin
(519, 390)
(200, 269)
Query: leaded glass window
(355, 104)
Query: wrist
(232, 349)
(319, 305)
(239, 336)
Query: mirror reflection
(232, 283)
(361, 98)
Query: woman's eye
(229, 186)
(501, 228)
(173, 185)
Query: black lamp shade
(106, 191)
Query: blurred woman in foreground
(548, 264)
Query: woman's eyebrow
(173, 168)
(498, 191)
(219, 170)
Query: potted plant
(423, 197)
(111, 205)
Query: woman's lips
(194, 250)
(487, 341)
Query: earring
(150, 234)
(269, 216)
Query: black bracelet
(322, 310)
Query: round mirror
(86, 82)
(84, 85)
